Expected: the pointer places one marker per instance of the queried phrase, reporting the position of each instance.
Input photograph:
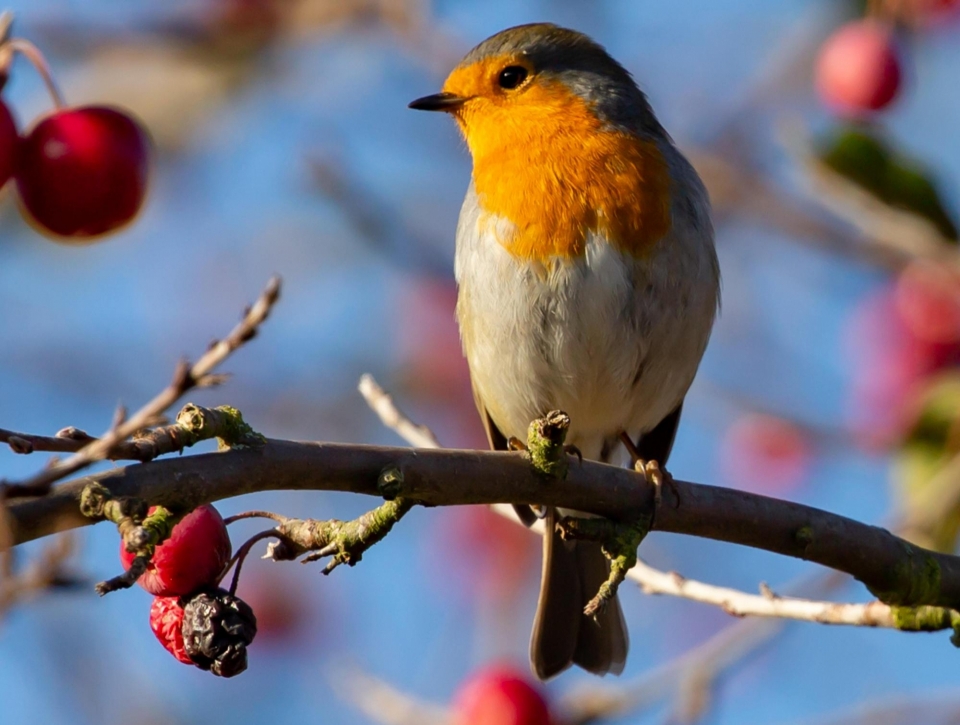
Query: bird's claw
(572, 450)
(657, 477)
(651, 472)
(515, 444)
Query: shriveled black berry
(217, 628)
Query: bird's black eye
(512, 76)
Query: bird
(588, 282)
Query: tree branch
(893, 569)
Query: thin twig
(885, 228)
(44, 571)
(743, 604)
(185, 378)
(385, 704)
(940, 707)
(68, 440)
(418, 436)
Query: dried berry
(217, 629)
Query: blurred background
(283, 145)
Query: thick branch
(893, 569)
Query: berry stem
(241, 556)
(32, 53)
(255, 515)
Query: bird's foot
(652, 473)
(657, 477)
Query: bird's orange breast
(548, 165)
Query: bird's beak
(438, 102)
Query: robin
(588, 282)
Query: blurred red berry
(82, 172)
(859, 68)
(9, 142)
(281, 603)
(931, 11)
(499, 696)
(764, 453)
(166, 621)
(898, 338)
(927, 298)
(195, 554)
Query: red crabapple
(499, 696)
(859, 68)
(195, 554)
(927, 297)
(9, 143)
(765, 453)
(82, 172)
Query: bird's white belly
(607, 338)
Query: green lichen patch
(916, 579)
(545, 444)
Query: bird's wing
(498, 442)
(657, 443)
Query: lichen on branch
(140, 531)
(927, 619)
(916, 578)
(344, 541)
(619, 542)
(546, 447)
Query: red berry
(500, 696)
(859, 68)
(82, 172)
(931, 11)
(283, 607)
(898, 338)
(764, 453)
(196, 552)
(928, 301)
(9, 141)
(166, 621)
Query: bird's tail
(562, 634)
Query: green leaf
(859, 155)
